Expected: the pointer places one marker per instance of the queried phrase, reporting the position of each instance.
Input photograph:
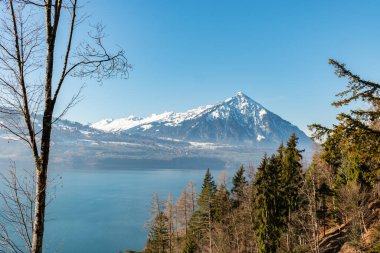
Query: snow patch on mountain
(262, 113)
(236, 119)
(260, 137)
(146, 127)
(221, 110)
(168, 118)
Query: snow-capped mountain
(238, 119)
(234, 132)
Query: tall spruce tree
(194, 238)
(190, 245)
(239, 182)
(292, 178)
(158, 237)
(222, 202)
(207, 194)
(323, 192)
(206, 205)
(292, 172)
(270, 204)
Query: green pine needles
(278, 182)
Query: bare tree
(170, 212)
(184, 212)
(33, 72)
(16, 215)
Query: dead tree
(33, 72)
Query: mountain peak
(240, 94)
(236, 119)
(242, 102)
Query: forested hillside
(331, 206)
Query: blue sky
(194, 52)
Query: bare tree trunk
(236, 232)
(42, 166)
(313, 216)
(209, 227)
(287, 232)
(363, 221)
(41, 186)
(39, 217)
(185, 210)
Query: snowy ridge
(238, 118)
(174, 119)
(170, 119)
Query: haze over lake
(104, 211)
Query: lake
(105, 211)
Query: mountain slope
(238, 119)
(234, 132)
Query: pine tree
(222, 202)
(270, 204)
(323, 192)
(292, 172)
(292, 178)
(353, 142)
(239, 182)
(197, 233)
(190, 246)
(206, 205)
(207, 194)
(158, 236)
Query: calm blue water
(104, 211)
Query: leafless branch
(17, 202)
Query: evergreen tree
(158, 236)
(281, 152)
(352, 146)
(323, 192)
(292, 179)
(206, 205)
(207, 194)
(194, 237)
(190, 246)
(292, 172)
(222, 202)
(270, 204)
(239, 182)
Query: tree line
(225, 219)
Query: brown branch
(67, 54)
(22, 84)
(9, 129)
(16, 205)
